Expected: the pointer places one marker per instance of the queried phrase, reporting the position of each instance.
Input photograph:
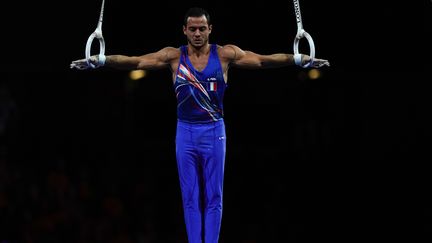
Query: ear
(210, 28)
(184, 30)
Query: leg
(189, 175)
(213, 169)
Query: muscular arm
(248, 59)
(156, 60)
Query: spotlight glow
(137, 74)
(314, 74)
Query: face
(197, 31)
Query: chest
(199, 62)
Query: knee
(191, 204)
(214, 203)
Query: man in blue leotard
(199, 75)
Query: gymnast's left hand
(317, 62)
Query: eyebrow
(198, 27)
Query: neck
(200, 50)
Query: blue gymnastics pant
(200, 152)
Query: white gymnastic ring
(311, 47)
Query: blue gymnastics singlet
(199, 94)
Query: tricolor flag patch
(213, 86)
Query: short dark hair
(196, 12)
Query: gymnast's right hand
(82, 64)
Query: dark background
(88, 156)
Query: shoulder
(229, 51)
(169, 53)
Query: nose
(197, 33)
